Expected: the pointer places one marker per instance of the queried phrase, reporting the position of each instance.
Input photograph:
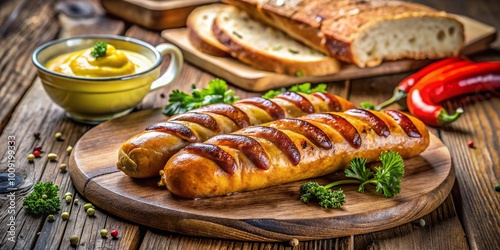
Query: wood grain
(277, 214)
(478, 37)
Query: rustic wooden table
(468, 218)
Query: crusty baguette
(364, 33)
(146, 153)
(269, 49)
(288, 150)
(199, 26)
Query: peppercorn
(470, 144)
(31, 157)
(294, 242)
(75, 201)
(37, 153)
(68, 199)
(51, 217)
(58, 136)
(63, 167)
(44, 196)
(68, 194)
(65, 216)
(114, 233)
(36, 135)
(52, 156)
(37, 148)
(73, 240)
(69, 149)
(87, 206)
(104, 233)
(90, 212)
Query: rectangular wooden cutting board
(478, 37)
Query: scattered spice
(36, 135)
(87, 206)
(238, 35)
(293, 242)
(73, 240)
(114, 233)
(69, 149)
(31, 157)
(90, 212)
(104, 233)
(293, 51)
(65, 216)
(497, 188)
(76, 201)
(44, 197)
(68, 199)
(52, 156)
(63, 167)
(162, 95)
(470, 144)
(51, 218)
(38, 148)
(37, 153)
(58, 136)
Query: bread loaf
(269, 49)
(146, 153)
(199, 25)
(364, 33)
(289, 150)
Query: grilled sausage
(290, 149)
(146, 153)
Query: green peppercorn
(51, 217)
(104, 233)
(90, 211)
(73, 240)
(65, 216)
(68, 194)
(68, 199)
(75, 201)
(58, 136)
(87, 206)
(69, 149)
(63, 167)
(31, 157)
(44, 196)
(52, 156)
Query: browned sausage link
(340, 124)
(333, 102)
(278, 138)
(311, 132)
(405, 123)
(273, 109)
(377, 124)
(249, 146)
(298, 100)
(177, 129)
(200, 118)
(239, 117)
(214, 153)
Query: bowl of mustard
(97, 78)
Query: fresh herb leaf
(216, 92)
(99, 49)
(387, 180)
(302, 88)
(43, 199)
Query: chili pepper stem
(398, 95)
(444, 118)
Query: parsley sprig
(216, 92)
(43, 199)
(386, 178)
(99, 49)
(302, 88)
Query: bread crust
(190, 174)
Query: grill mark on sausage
(202, 119)
(249, 146)
(298, 100)
(237, 115)
(279, 139)
(176, 129)
(213, 152)
(332, 101)
(311, 132)
(377, 124)
(273, 109)
(340, 124)
(404, 122)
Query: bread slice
(364, 33)
(199, 25)
(269, 49)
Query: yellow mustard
(113, 63)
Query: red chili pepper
(473, 78)
(428, 72)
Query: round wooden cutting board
(271, 214)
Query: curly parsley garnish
(99, 49)
(216, 92)
(305, 88)
(43, 199)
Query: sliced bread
(199, 26)
(267, 48)
(364, 33)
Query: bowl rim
(157, 63)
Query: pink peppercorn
(36, 153)
(114, 233)
(470, 144)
